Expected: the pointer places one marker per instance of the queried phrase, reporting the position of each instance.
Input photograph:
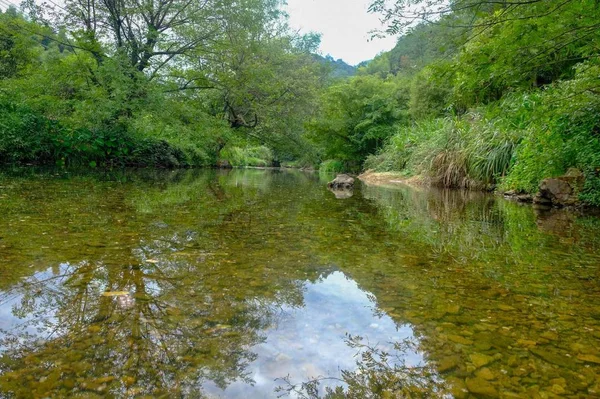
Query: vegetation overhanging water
(236, 283)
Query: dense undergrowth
(177, 91)
(488, 97)
(29, 137)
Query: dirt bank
(373, 178)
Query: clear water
(234, 283)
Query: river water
(260, 283)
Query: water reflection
(158, 335)
(211, 283)
(309, 342)
(73, 334)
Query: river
(259, 283)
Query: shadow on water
(234, 283)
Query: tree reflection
(379, 373)
(182, 280)
(156, 327)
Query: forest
(476, 94)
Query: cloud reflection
(310, 341)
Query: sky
(344, 25)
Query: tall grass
(465, 152)
(512, 144)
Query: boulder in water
(562, 190)
(341, 182)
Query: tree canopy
(127, 66)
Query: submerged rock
(343, 181)
(481, 387)
(448, 363)
(480, 360)
(552, 357)
(589, 358)
(561, 191)
(485, 373)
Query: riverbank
(560, 192)
(488, 148)
(384, 179)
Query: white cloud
(344, 24)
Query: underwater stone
(448, 363)
(485, 373)
(480, 360)
(481, 387)
(551, 357)
(589, 358)
(460, 340)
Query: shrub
(258, 156)
(331, 166)
(25, 137)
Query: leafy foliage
(357, 116)
(118, 84)
(514, 87)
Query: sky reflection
(310, 341)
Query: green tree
(357, 117)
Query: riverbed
(258, 283)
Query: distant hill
(339, 68)
(421, 46)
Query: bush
(257, 156)
(25, 137)
(331, 166)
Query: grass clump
(460, 152)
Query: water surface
(234, 283)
